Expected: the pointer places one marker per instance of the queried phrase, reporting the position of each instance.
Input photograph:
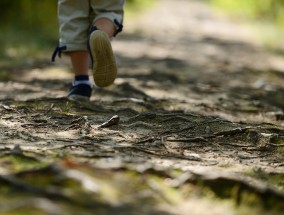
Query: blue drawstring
(57, 52)
(119, 27)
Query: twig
(137, 101)
(231, 132)
(275, 144)
(75, 124)
(192, 126)
(233, 144)
(50, 108)
(193, 139)
(142, 117)
(168, 155)
(112, 121)
(85, 129)
(8, 108)
(176, 118)
(140, 124)
(150, 139)
(178, 131)
(177, 114)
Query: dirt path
(199, 119)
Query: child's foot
(103, 60)
(81, 92)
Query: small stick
(112, 121)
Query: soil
(192, 125)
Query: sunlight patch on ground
(277, 62)
(8, 124)
(48, 73)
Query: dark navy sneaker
(79, 92)
(103, 60)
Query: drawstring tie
(57, 52)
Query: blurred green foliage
(134, 5)
(29, 15)
(271, 11)
(28, 27)
(266, 18)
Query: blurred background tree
(29, 15)
(28, 27)
(262, 10)
(265, 16)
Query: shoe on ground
(81, 92)
(103, 60)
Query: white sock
(88, 82)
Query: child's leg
(107, 18)
(80, 62)
(75, 19)
(79, 59)
(106, 25)
(74, 23)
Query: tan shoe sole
(104, 65)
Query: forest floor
(193, 125)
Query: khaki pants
(77, 16)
